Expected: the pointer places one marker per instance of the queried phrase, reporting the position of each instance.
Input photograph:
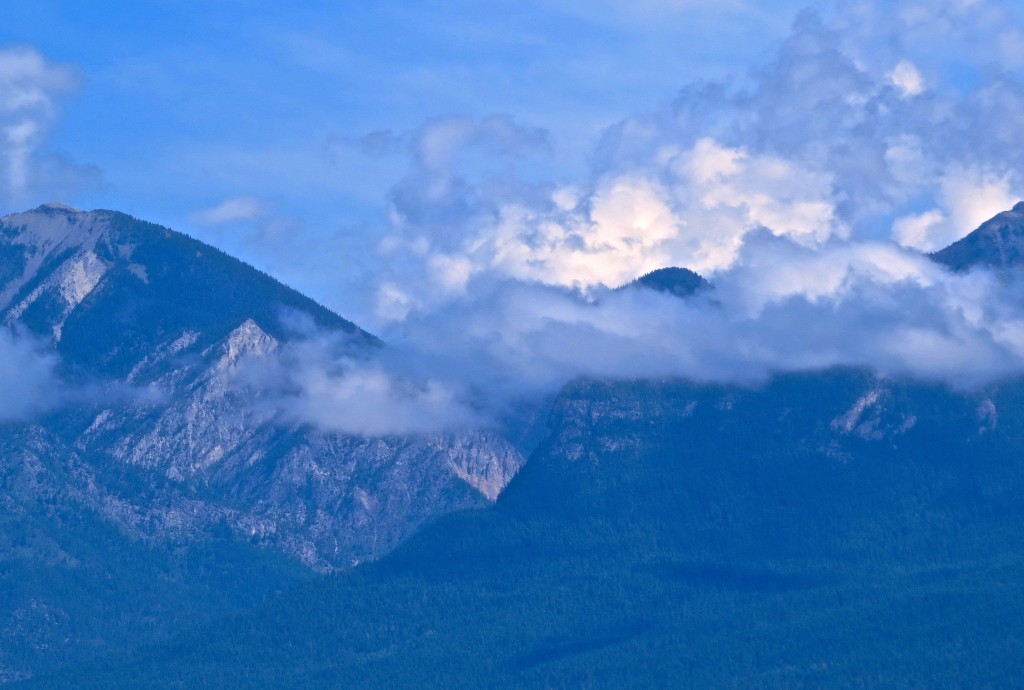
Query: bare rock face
(329, 500)
(176, 452)
(209, 454)
(51, 263)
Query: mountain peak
(997, 243)
(35, 242)
(247, 339)
(111, 289)
(58, 206)
(681, 282)
(53, 226)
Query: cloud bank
(781, 307)
(807, 190)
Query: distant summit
(58, 206)
(681, 282)
(998, 243)
(110, 289)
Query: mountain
(829, 529)
(825, 530)
(681, 282)
(111, 290)
(998, 244)
(168, 497)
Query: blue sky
(296, 135)
(181, 105)
(242, 91)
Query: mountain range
(828, 529)
(170, 458)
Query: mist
(28, 375)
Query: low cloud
(27, 377)
(33, 386)
(781, 307)
(806, 189)
(315, 379)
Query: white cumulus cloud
(30, 85)
(233, 210)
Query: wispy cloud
(27, 374)
(233, 210)
(30, 85)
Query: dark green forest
(673, 535)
